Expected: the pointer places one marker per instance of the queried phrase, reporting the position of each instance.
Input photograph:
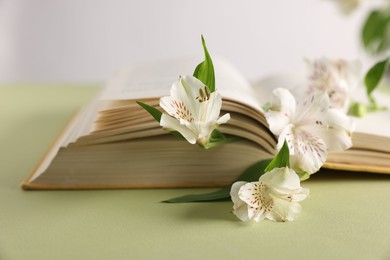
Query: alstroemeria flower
(193, 110)
(310, 128)
(275, 196)
(337, 78)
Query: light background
(86, 41)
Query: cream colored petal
(251, 194)
(283, 101)
(282, 110)
(288, 136)
(166, 104)
(310, 151)
(212, 107)
(187, 90)
(277, 121)
(284, 211)
(284, 179)
(223, 119)
(311, 109)
(171, 123)
(340, 131)
(240, 208)
(258, 214)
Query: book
(114, 143)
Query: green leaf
(156, 114)
(177, 134)
(217, 139)
(282, 159)
(221, 194)
(374, 32)
(252, 173)
(205, 70)
(374, 75)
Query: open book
(114, 143)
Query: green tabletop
(347, 216)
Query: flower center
(181, 111)
(204, 94)
(261, 197)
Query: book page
(155, 80)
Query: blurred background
(73, 41)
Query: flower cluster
(311, 124)
(308, 123)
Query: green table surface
(347, 216)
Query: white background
(84, 41)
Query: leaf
(205, 70)
(374, 32)
(177, 134)
(221, 194)
(252, 173)
(374, 75)
(156, 114)
(282, 159)
(217, 139)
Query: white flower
(337, 78)
(193, 110)
(310, 128)
(275, 196)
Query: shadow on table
(219, 210)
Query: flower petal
(257, 205)
(282, 100)
(250, 193)
(285, 184)
(259, 214)
(240, 208)
(256, 196)
(284, 211)
(312, 109)
(340, 130)
(282, 108)
(223, 119)
(281, 178)
(166, 104)
(186, 89)
(212, 108)
(310, 152)
(277, 121)
(172, 123)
